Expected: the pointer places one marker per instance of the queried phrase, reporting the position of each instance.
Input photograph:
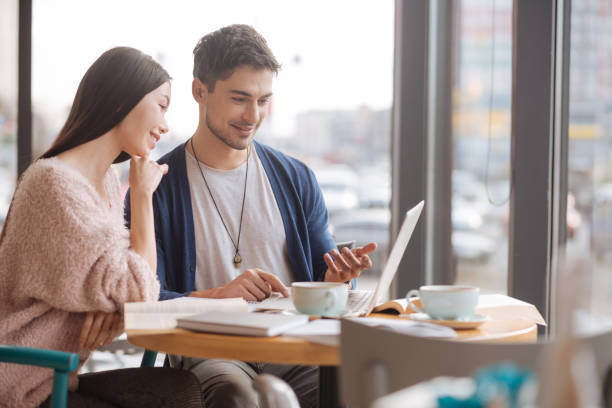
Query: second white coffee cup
(446, 302)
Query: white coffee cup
(446, 302)
(319, 298)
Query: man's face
(238, 105)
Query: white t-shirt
(263, 243)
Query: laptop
(362, 302)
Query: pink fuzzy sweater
(64, 253)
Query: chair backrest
(601, 347)
(381, 361)
(377, 361)
(62, 362)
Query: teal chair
(148, 358)
(62, 362)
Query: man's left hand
(348, 263)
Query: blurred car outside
(470, 238)
(601, 221)
(338, 184)
(469, 241)
(477, 223)
(374, 187)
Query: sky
(334, 54)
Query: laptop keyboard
(358, 300)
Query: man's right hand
(252, 285)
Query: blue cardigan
(299, 200)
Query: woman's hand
(145, 174)
(99, 328)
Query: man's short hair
(219, 53)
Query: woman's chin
(137, 154)
(142, 152)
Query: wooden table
(287, 350)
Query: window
(482, 97)
(589, 199)
(332, 102)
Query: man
(236, 218)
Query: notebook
(362, 302)
(247, 324)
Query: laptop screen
(397, 252)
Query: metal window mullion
(24, 98)
(409, 138)
(560, 152)
(439, 263)
(532, 146)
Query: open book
(163, 314)
(394, 306)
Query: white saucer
(467, 323)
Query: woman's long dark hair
(111, 87)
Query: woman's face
(142, 128)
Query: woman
(67, 262)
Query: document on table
(276, 302)
(163, 314)
(327, 331)
(320, 331)
(502, 307)
(410, 327)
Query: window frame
(539, 139)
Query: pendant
(237, 259)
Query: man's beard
(226, 139)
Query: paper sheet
(502, 307)
(320, 331)
(413, 328)
(163, 314)
(276, 301)
(327, 331)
